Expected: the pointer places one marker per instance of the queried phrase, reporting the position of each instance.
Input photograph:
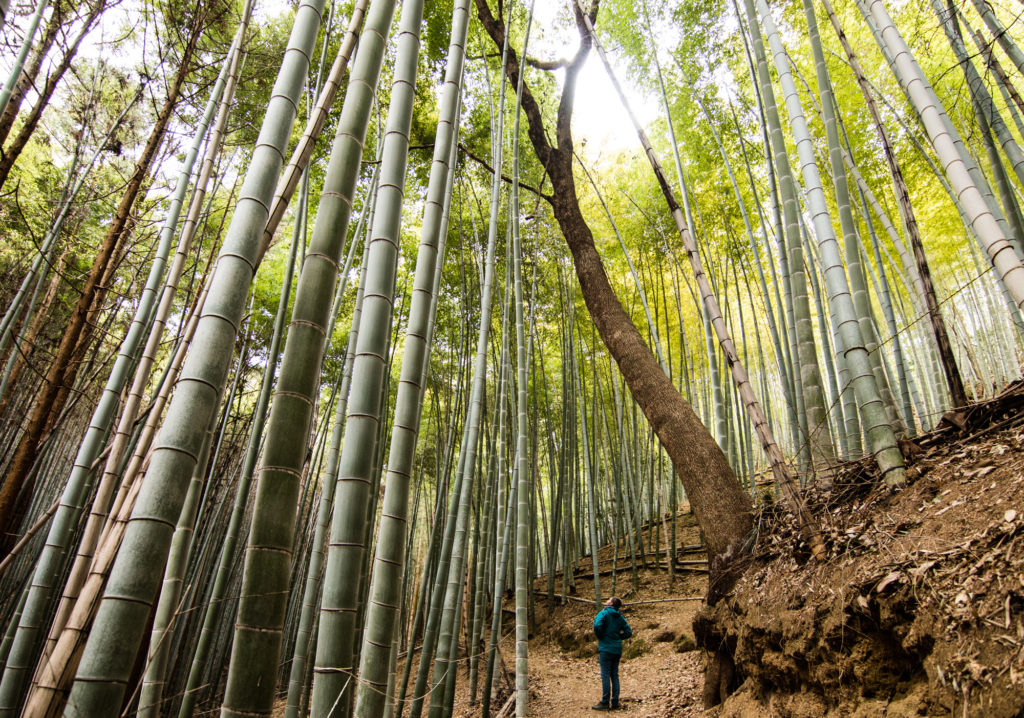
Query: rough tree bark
(54, 391)
(721, 506)
(30, 73)
(10, 154)
(28, 342)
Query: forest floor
(918, 610)
(661, 671)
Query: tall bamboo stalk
(779, 469)
(946, 142)
(134, 582)
(19, 60)
(260, 623)
(389, 557)
(873, 411)
(73, 495)
(810, 393)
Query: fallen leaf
(923, 568)
(888, 580)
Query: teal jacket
(610, 628)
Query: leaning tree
(720, 505)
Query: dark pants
(609, 677)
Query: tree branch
(481, 161)
(563, 120)
(547, 64)
(495, 28)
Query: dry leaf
(923, 568)
(885, 582)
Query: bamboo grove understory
(330, 345)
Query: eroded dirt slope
(919, 609)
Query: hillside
(918, 610)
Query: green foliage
(684, 643)
(634, 648)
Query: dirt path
(660, 682)
(661, 676)
(656, 678)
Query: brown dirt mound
(919, 608)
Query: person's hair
(616, 601)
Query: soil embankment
(917, 611)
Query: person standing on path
(610, 628)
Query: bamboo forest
(355, 354)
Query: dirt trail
(661, 672)
(653, 684)
(918, 609)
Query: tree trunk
(22, 351)
(9, 155)
(721, 506)
(76, 335)
(30, 73)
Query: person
(610, 627)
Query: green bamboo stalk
(590, 480)
(452, 588)
(811, 392)
(260, 623)
(326, 93)
(389, 557)
(880, 433)
(215, 606)
(53, 671)
(347, 547)
(133, 583)
(522, 576)
(831, 359)
(167, 607)
(1000, 33)
(851, 241)
(1011, 96)
(57, 545)
(969, 187)
(310, 597)
(12, 626)
(26, 46)
(921, 278)
(784, 369)
(422, 599)
(449, 586)
(990, 122)
(484, 550)
(499, 588)
(437, 593)
(435, 533)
